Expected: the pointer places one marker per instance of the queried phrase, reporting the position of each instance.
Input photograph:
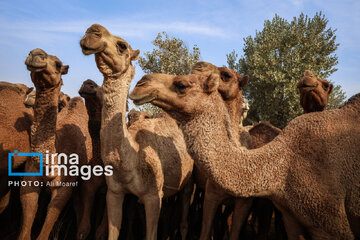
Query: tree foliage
(170, 56)
(276, 58)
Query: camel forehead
(54, 58)
(97, 28)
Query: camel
(311, 172)
(314, 92)
(65, 132)
(150, 159)
(230, 88)
(93, 96)
(15, 122)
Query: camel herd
(195, 153)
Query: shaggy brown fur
(134, 116)
(311, 171)
(150, 158)
(314, 92)
(67, 135)
(230, 88)
(15, 122)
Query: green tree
(170, 56)
(276, 58)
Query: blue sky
(217, 27)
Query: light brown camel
(311, 171)
(150, 158)
(66, 133)
(230, 88)
(314, 92)
(15, 122)
(93, 96)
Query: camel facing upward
(314, 92)
(311, 171)
(150, 159)
(64, 133)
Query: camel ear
(212, 83)
(29, 90)
(64, 69)
(244, 81)
(331, 88)
(135, 55)
(308, 73)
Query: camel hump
(354, 101)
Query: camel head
(113, 55)
(46, 70)
(89, 89)
(134, 116)
(30, 98)
(245, 108)
(231, 83)
(63, 101)
(180, 96)
(314, 92)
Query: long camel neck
(116, 142)
(94, 108)
(43, 130)
(235, 169)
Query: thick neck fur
(117, 145)
(43, 130)
(237, 170)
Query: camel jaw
(142, 99)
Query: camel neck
(239, 171)
(115, 91)
(115, 138)
(234, 107)
(43, 130)
(94, 108)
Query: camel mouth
(86, 94)
(142, 99)
(86, 50)
(37, 68)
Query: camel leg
(293, 228)
(152, 211)
(263, 210)
(5, 193)
(114, 205)
(241, 212)
(59, 198)
(211, 202)
(185, 203)
(87, 195)
(4, 202)
(29, 197)
(101, 231)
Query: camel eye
(121, 46)
(225, 76)
(180, 86)
(58, 65)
